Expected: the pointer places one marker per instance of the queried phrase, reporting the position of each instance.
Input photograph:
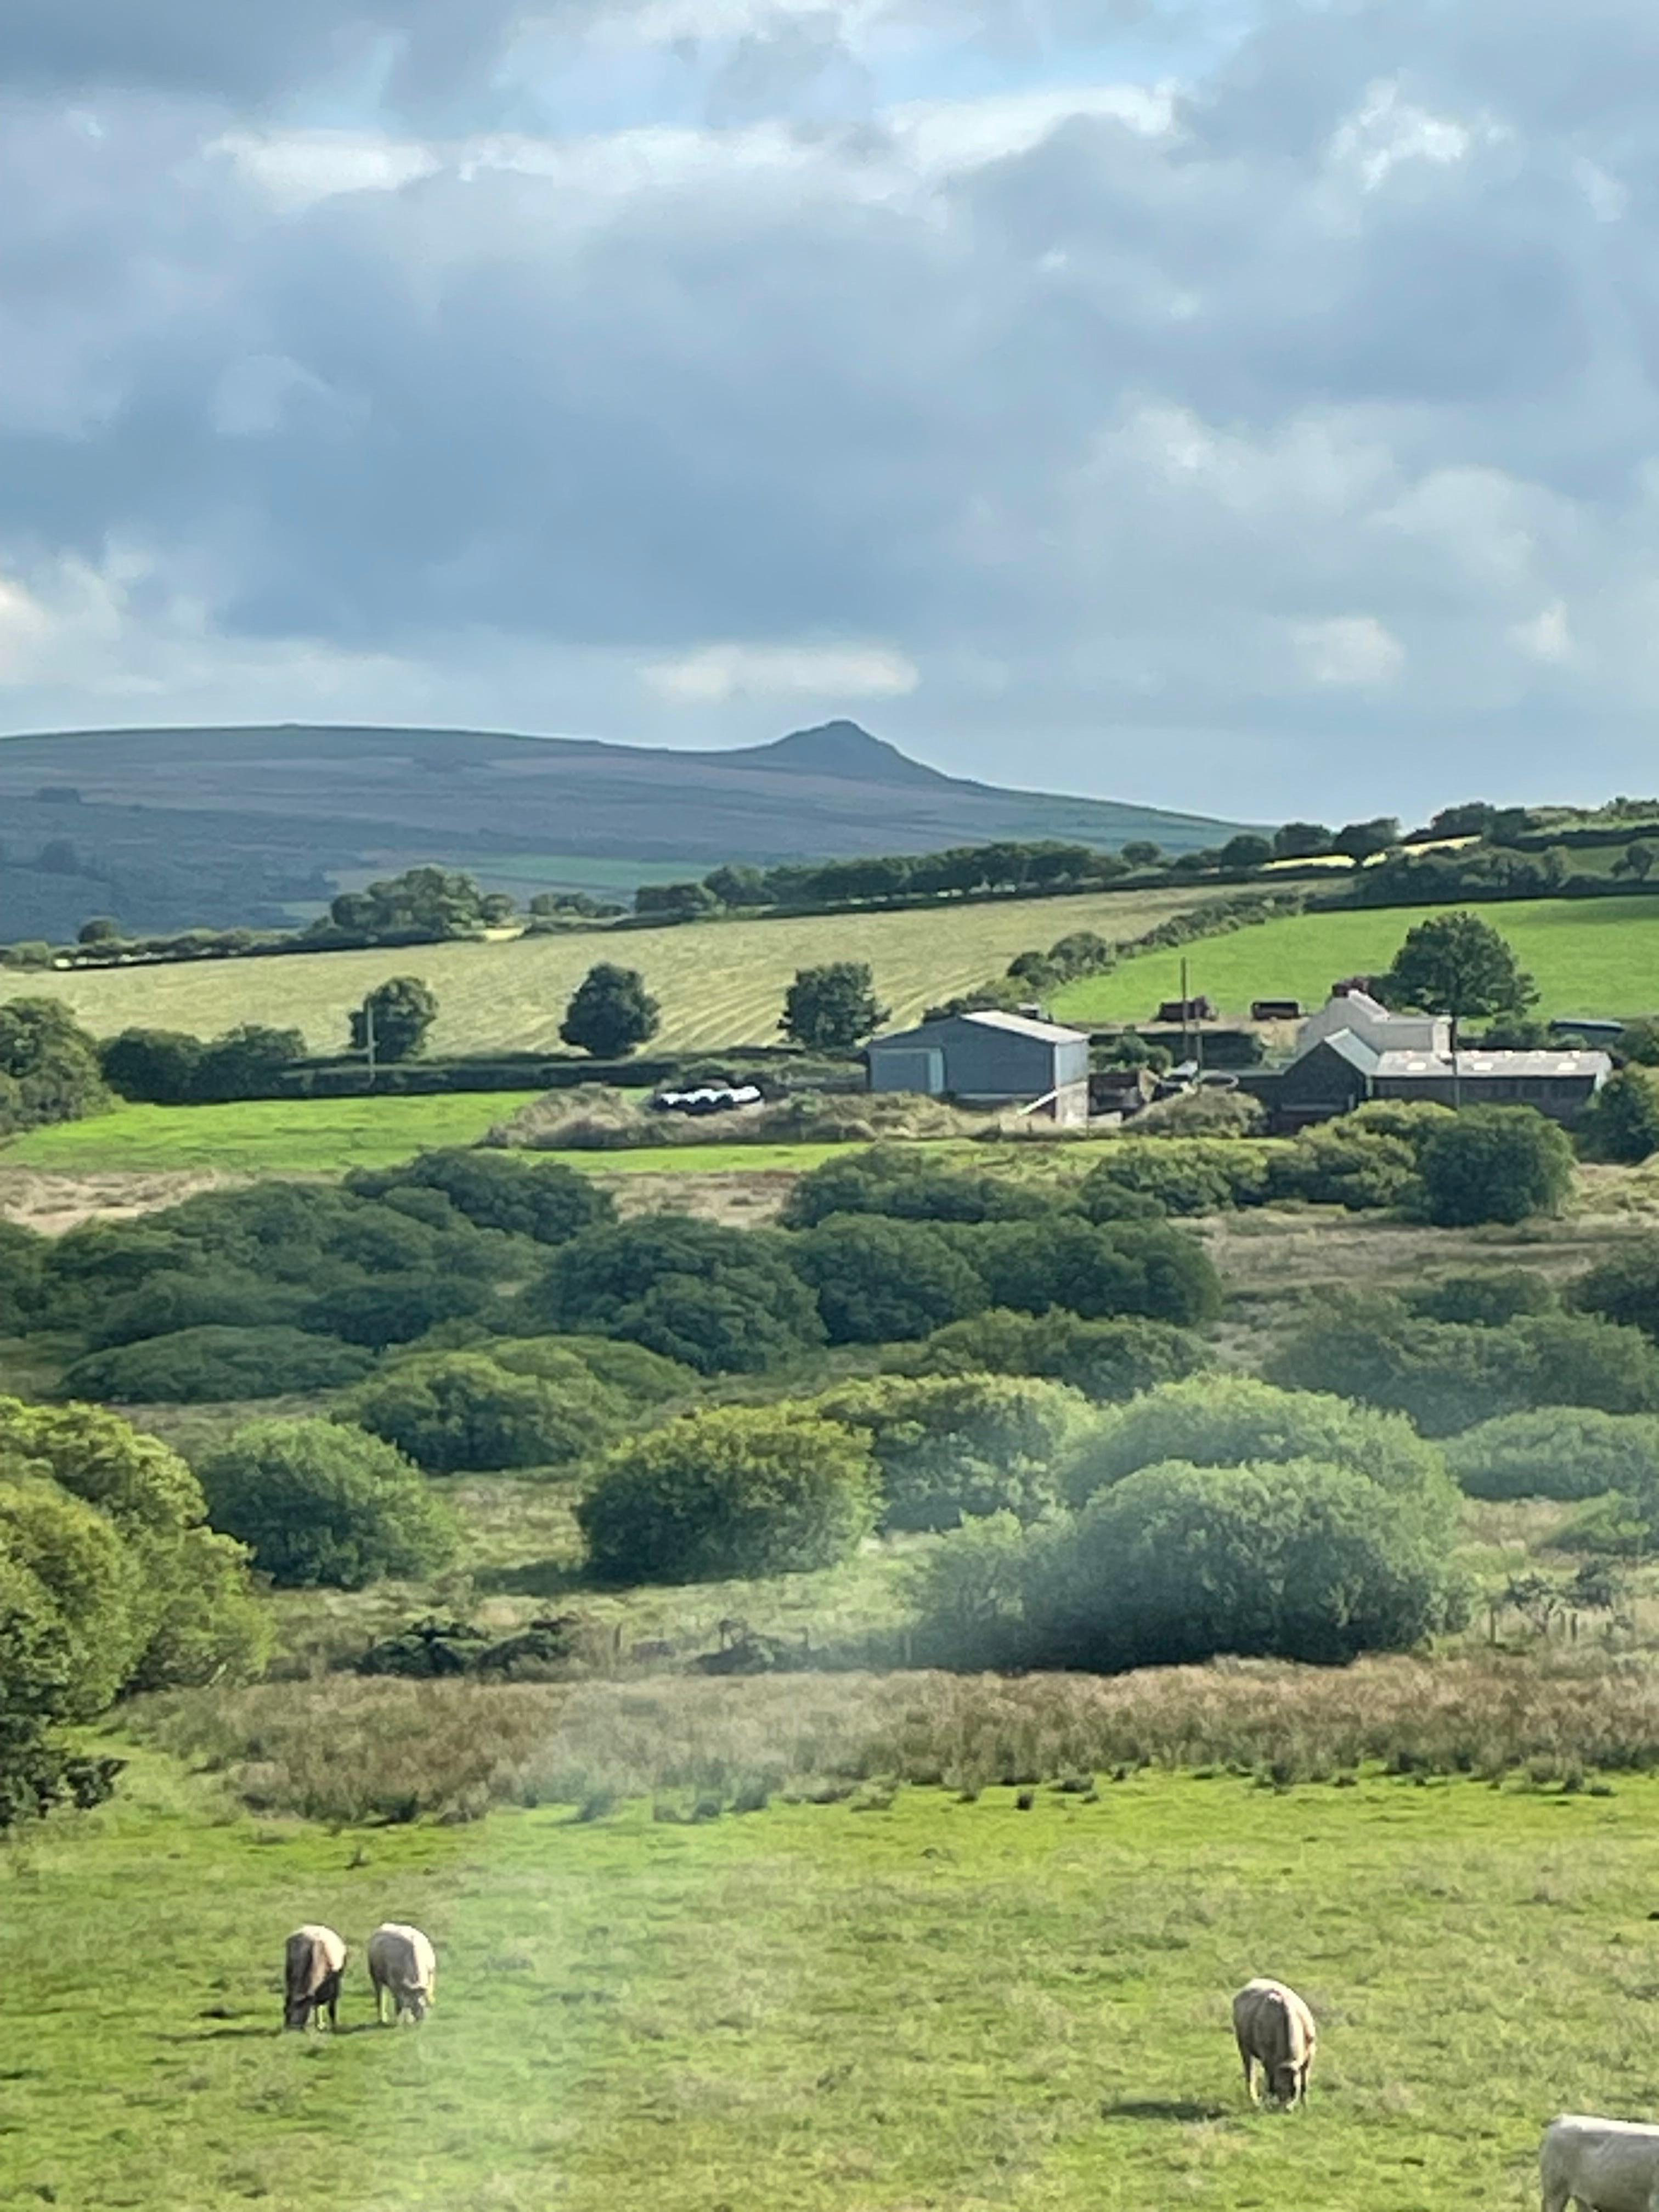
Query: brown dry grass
(341, 1748)
(49, 1204)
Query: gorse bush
(730, 1491)
(317, 1502)
(459, 1409)
(498, 1190)
(1495, 1163)
(1624, 1288)
(635, 1376)
(1486, 1300)
(1098, 1271)
(947, 1447)
(1293, 1559)
(1230, 1421)
(1339, 1164)
(722, 1301)
(197, 1366)
(1621, 1122)
(1180, 1174)
(1448, 1375)
(1568, 1452)
(1106, 1360)
(889, 1179)
(881, 1281)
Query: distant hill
(164, 829)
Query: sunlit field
(263, 1136)
(897, 2000)
(1587, 956)
(719, 984)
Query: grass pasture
(875, 2004)
(262, 1136)
(719, 984)
(1587, 956)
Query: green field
(1587, 956)
(263, 1136)
(719, 984)
(941, 2003)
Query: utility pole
(1186, 1014)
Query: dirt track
(53, 1203)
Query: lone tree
(401, 1010)
(611, 1013)
(833, 1008)
(1457, 964)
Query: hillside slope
(167, 828)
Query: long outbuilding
(988, 1060)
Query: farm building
(990, 1060)
(1354, 1049)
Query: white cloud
(1548, 637)
(24, 625)
(1347, 650)
(716, 673)
(1385, 130)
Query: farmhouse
(989, 1060)
(1354, 1049)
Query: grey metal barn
(989, 1060)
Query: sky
(1243, 405)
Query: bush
(1624, 1288)
(49, 1067)
(1293, 1559)
(1106, 1360)
(394, 1308)
(156, 1068)
(320, 1503)
(1495, 1163)
(878, 1281)
(723, 1301)
(1486, 1300)
(1621, 1122)
(734, 1490)
(201, 1365)
(169, 1303)
(1099, 1270)
(889, 1179)
(1341, 1164)
(1448, 1375)
(639, 1377)
(950, 1446)
(611, 1013)
(499, 1190)
(448, 1411)
(1199, 1176)
(1566, 1452)
(22, 1274)
(1226, 1420)
(1208, 1111)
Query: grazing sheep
(1275, 2031)
(313, 1964)
(401, 1960)
(1599, 2166)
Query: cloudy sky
(1248, 407)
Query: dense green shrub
(949, 1446)
(732, 1491)
(1098, 1270)
(1208, 1112)
(90, 1579)
(320, 1503)
(633, 1374)
(153, 1067)
(1568, 1452)
(49, 1069)
(1339, 1164)
(395, 1309)
(1487, 1298)
(889, 1179)
(22, 1274)
(499, 1190)
(201, 1365)
(1186, 1175)
(723, 1301)
(1621, 1122)
(1624, 1288)
(1495, 1163)
(171, 1302)
(1106, 1360)
(1448, 1375)
(459, 1409)
(880, 1281)
(1413, 1121)
(1293, 1559)
(1224, 1420)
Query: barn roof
(986, 1019)
(1478, 1064)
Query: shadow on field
(1164, 2108)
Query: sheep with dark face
(312, 1965)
